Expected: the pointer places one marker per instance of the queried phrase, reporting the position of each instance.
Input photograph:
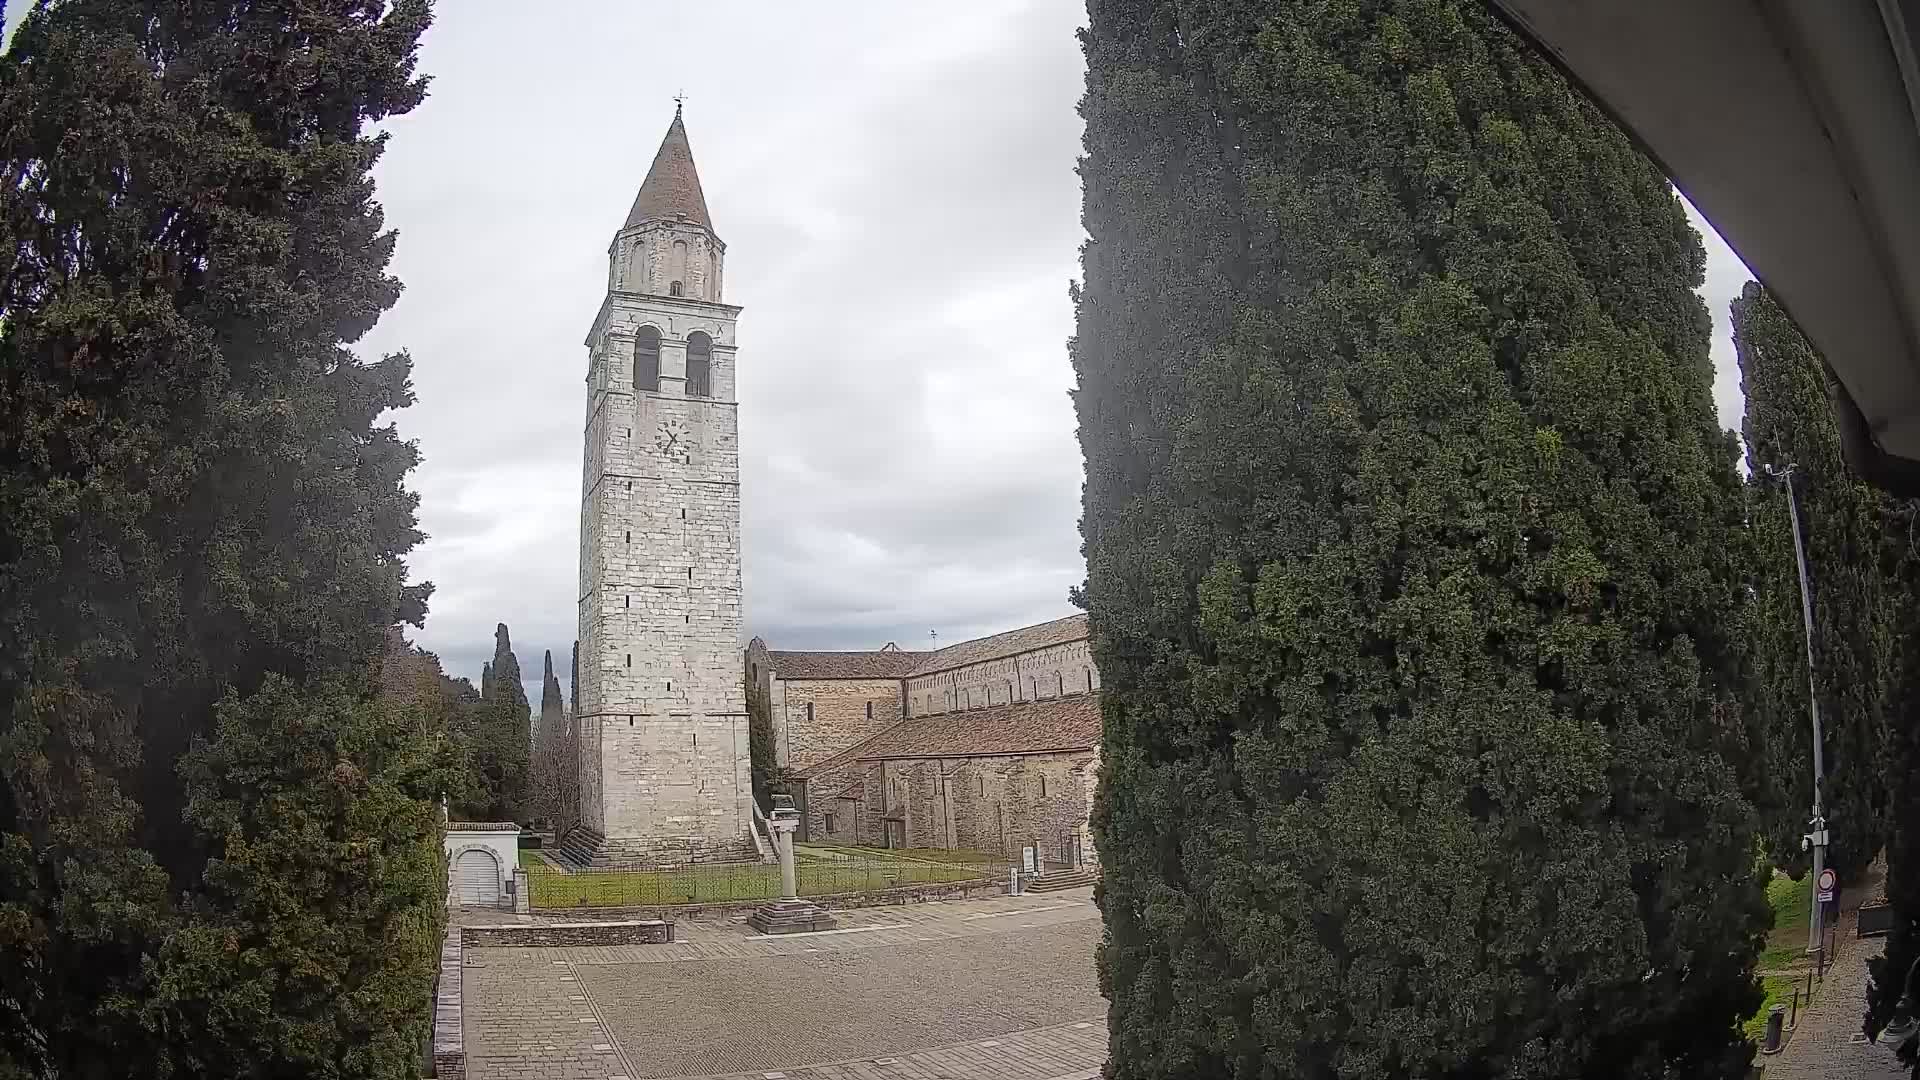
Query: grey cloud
(896, 186)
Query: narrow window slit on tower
(629, 536)
(629, 659)
(626, 601)
(669, 686)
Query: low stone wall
(449, 1047)
(535, 934)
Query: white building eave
(1790, 124)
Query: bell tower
(663, 714)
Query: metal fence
(818, 872)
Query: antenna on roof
(935, 635)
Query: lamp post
(1816, 840)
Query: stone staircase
(1056, 880)
(584, 849)
(581, 849)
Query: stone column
(783, 837)
(789, 914)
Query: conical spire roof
(672, 187)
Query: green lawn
(937, 855)
(1787, 942)
(549, 888)
(1792, 901)
(1783, 950)
(1779, 989)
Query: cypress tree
(551, 716)
(1789, 420)
(200, 507)
(503, 743)
(1409, 530)
(554, 767)
(1895, 974)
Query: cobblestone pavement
(964, 990)
(1827, 1043)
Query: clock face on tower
(671, 440)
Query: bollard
(1793, 1015)
(1776, 1020)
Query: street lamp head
(1778, 471)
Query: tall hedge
(1411, 561)
(1844, 522)
(203, 532)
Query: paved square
(964, 990)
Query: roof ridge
(934, 662)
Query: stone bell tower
(663, 714)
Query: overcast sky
(895, 184)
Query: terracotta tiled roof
(980, 650)
(877, 664)
(672, 187)
(1052, 725)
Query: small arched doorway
(477, 878)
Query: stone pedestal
(791, 917)
(789, 914)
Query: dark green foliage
(1411, 562)
(554, 779)
(197, 497)
(411, 680)
(500, 737)
(1894, 974)
(1892, 970)
(1844, 525)
(550, 709)
(761, 764)
(322, 922)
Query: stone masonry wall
(1029, 676)
(994, 804)
(1037, 799)
(843, 712)
(824, 786)
(643, 260)
(663, 722)
(541, 934)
